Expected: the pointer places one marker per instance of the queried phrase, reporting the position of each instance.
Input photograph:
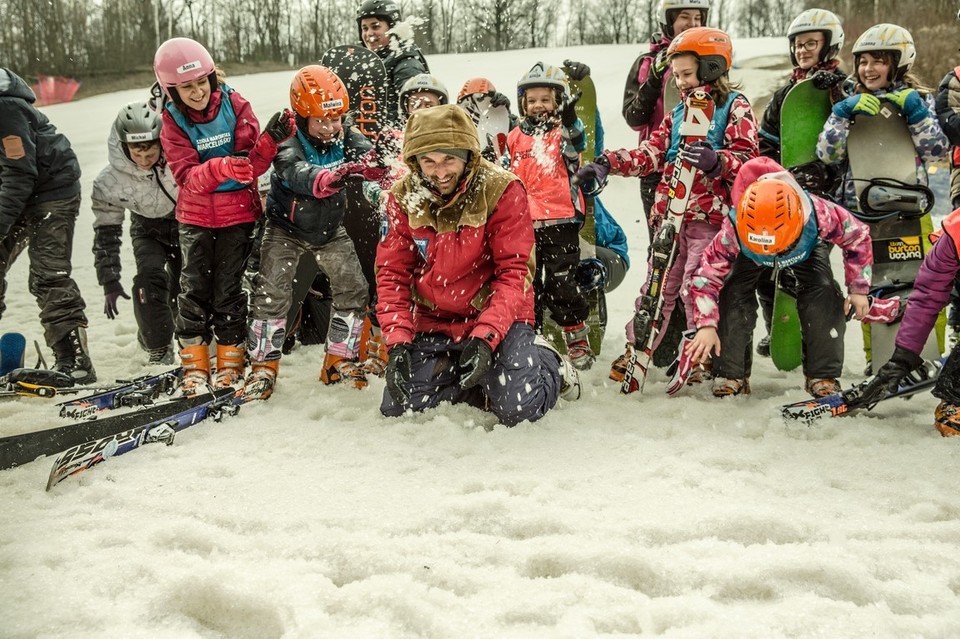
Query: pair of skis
(698, 113)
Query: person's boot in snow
(261, 380)
(578, 346)
(230, 366)
(72, 357)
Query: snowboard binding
(886, 197)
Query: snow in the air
(312, 516)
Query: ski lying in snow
(698, 113)
(862, 396)
(139, 391)
(140, 431)
(16, 450)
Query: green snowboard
(804, 111)
(597, 319)
(786, 344)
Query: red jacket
(197, 203)
(473, 281)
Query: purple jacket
(931, 292)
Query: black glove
(824, 80)
(281, 126)
(111, 295)
(569, 113)
(399, 373)
(498, 99)
(576, 70)
(659, 66)
(475, 361)
(888, 378)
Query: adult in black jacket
(401, 57)
(39, 204)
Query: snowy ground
(312, 516)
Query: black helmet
(389, 10)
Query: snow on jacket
(462, 265)
(928, 138)
(709, 199)
(199, 203)
(835, 225)
(122, 185)
(402, 60)
(948, 114)
(643, 93)
(932, 287)
(37, 163)
(291, 203)
(545, 156)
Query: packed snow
(310, 515)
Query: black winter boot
(72, 357)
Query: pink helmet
(180, 60)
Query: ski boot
(340, 369)
(376, 351)
(763, 346)
(72, 357)
(619, 367)
(569, 377)
(578, 346)
(947, 419)
(230, 366)
(195, 359)
(725, 387)
(822, 386)
(261, 380)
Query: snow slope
(312, 516)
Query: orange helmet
(711, 46)
(317, 92)
(475, 85)
(770, 216)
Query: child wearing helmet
(475, 89)
(377, 22)
(649, 78)
(305, 213)
(816, 38)
(138, 179)
(212, 141)
(883, 57)
(699, 57)
(778, 225)
(544, 152)
(932, 288)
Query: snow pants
(280, 255)
(948, 383)
(648, 195)
(522, 384)
(156, 286)
(45, 229)
(212, 301)
(819, 306)
(555, 279)
(694, 237)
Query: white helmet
(666, 23)
(423, 82)
(545, 75)
(818, 20)
(888, 37)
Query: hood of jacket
(12, 85)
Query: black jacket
(37, 164)
(402, 60)
(291, 204)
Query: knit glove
(701, 155)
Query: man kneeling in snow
(454, 282)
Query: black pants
(212, 301)
(948, 383)
(648, 191)
(156, 249)
(819, 305)
(45, 229)
(555, 281)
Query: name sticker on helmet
(139, 137)
(329, 105)
(764, 239)
(189, 66)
